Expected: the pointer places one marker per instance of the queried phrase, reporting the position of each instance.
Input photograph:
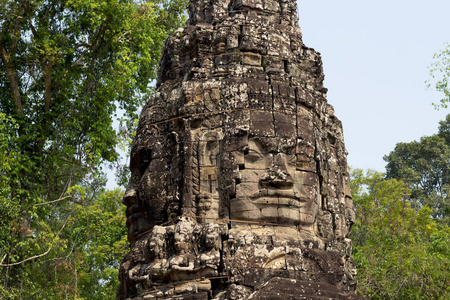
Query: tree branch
(86, 45)
(36, 256)
(49, 202)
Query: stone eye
(145, 157)
(252, 156)
(292, 160)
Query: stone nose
(277, 175)
(130, 196)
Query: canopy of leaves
(440, 76)
(66, 67)
(84, 257)
(400, 252)
(425, 167)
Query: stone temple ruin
(240, 186)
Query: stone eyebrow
(273, 144)
(264, 144)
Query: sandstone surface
(240, 185)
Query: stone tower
(240, 186)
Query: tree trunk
(14, 83)
(47, 72)
(8, 59)
(47, 68)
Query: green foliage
(13, 165)
(101, 230)
(400, 252)
(425, 167)
(66, 66)
(84, 257)
(8, 161)
(440, 74)
(401, 235)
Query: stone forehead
(275, 144)
(281, 126)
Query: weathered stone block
(240, 187)
(253, 59)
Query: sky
(376, 56)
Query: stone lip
(278, 201)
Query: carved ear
(173, 145)
(208, 151)
(206, 177)
(174, 162)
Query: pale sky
(376, 56)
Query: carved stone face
(238, 129)
(271, 161)
(256, 167)
(152, 196)
(270, 188)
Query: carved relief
(206, 168)
(240, 187)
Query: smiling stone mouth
(278, 201)
(276, 194)
(278, 197)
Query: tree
(400, 252)
(103, 244)
(83, 262)
(66, 66)
(440, 74)
(425, 167)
